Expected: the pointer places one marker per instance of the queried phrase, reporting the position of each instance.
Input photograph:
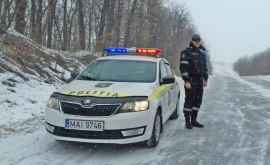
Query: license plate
(87, 125)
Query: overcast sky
(232, 28)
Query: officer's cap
(196, 38)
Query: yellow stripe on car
(95, 93)
(159, 91)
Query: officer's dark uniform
(193, 67)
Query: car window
(163, 71)
(120, 71)
(168, 69)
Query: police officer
(193, 67)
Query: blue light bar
(116, 51)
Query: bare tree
(33, 20)
(65, 26)
(39, 22)
(90, 24)
(119, 16)
(72, 12)
(102, 23)
(20, 9)
(1, 4)
(109, 23)
(5, 19)
(129, 21)
(81, 24)
(51, 16)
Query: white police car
(125, 97)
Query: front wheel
(154, 140)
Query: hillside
(27, 59)
(29, 73)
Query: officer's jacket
(193, 63)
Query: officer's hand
(188, 85)
(205, 83)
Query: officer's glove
(188, 85)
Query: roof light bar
(139, 51)
(148, 51)
(116, 51)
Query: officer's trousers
(194, 96)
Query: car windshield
(120, 71)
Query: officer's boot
(187, 115)
(194, 121)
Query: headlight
(53, 103)
(137, 106)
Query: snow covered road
(237, 119)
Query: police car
(124, 97)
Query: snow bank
(21, 102)
(226, 70)
(265, 78)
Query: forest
(92, 25)
(257, 64)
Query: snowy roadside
(226, 70)
(22, 103)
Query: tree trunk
(65, 34)
(4, 15)
(91, 8)
(20, 8)
(126, 42)
(39, 23)
(51, 16)
(109, 23)
(118, 22)
(6, 19)
(100, 37)
(33, 20)
(123, 23)
(81, 24)
(140, 26)
(153, 15)
(1, 3)
(73, 13)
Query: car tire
(175, 114)
(155, 137)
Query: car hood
(106, 89)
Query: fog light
(49, 128)
(133, 132)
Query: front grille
(97, 110)
(106, 134)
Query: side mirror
(167, 80)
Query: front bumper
(106, 136)
(113, 127)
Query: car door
(172, 95)
(164, 98)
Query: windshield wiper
(82, 77)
